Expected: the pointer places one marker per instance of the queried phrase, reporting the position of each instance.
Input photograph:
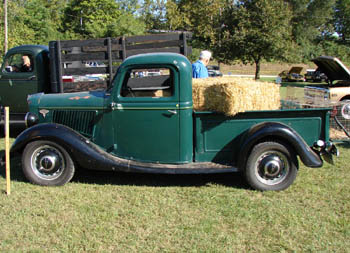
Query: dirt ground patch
(336, 134)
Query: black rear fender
(268, 131)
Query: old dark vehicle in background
(74, 65)
(292, 75)
(214, 70)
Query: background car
(309, 75)
(214, 70)
(315, 75)
(319, 76)
(293, 75)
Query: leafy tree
(130, 6)
(18, 32)
(40, 17)
(256, 30)
(99, 18)
(342, 18)
(153, 14)
(175, 19)
(333, 46)
(203, 18)
(311, 20)
(33, 21)
(125, 25)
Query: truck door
(146, 115)
(17, 80)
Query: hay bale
(233, 95)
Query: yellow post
(7, 150)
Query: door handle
(172, 111)
(113, 105)
(32, 77)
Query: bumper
(327, 150)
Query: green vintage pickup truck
(145, 122)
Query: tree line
(249, 31)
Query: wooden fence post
(7, 150)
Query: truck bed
(217, 137)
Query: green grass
(116, 212)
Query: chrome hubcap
(272, 167)
(47, 162)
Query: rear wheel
(271, 166)
(47, 163)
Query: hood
(79, 100)
(332, 67)
(295, 70)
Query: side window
(150, 82)
(19, 63)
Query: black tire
(271, 166)
(47, 163)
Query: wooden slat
(152, 37)
(83, 43)
(184, 46)
(115, 47)
(164, 44)
(59, 66)
(85, 71)
(110, 61)
(85, 57)
(84, 86)
(153, 50)
(97, 56)
(124, 48)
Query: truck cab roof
(159, 58)
(29, 48)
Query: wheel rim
(47, 162)
(272, 167)
(345, 111)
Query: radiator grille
(80, 121)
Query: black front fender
(277, 131)
(82, 150)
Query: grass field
(115, 212)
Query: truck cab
(16, 82)
(145, 122)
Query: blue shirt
(199, 70)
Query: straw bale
(230, 95)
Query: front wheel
(271, 166)
(47, 163)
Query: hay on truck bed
(233, 95)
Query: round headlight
(31, 119)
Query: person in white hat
(199, 68)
